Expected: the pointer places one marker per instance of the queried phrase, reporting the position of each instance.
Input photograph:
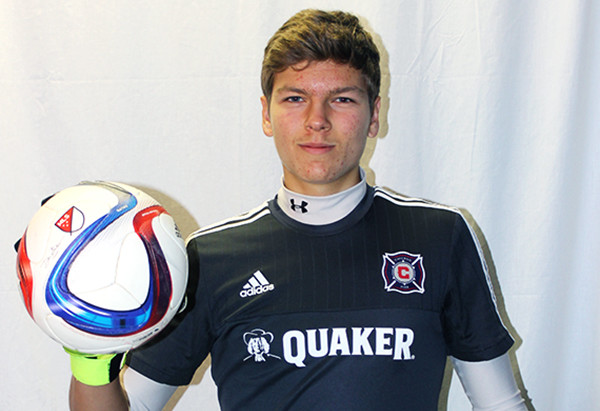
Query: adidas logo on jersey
(257, 284)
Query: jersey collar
(315, 210)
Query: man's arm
(490, 385)
(137, 392)
(103, 397)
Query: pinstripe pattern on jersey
(402, 200)
(330, 279)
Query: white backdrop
(491, 106)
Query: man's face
(319, 117)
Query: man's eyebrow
(287, 89)
(342, 90)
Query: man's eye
(344, 100)
(293, 99)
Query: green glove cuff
(95, 369)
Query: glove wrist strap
(95, 369)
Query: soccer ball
(102, 267)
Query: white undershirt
(321, 210)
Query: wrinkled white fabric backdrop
(490, 106)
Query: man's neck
(320, 210)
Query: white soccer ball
(102, 267)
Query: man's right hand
(95, 384)
(84, 397)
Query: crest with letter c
(403, 272)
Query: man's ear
(266, 118)
(374, 124)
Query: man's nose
(317, 118)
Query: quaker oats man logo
(403, 272)
(258, 343)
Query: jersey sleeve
(174, 355)
(472, 325)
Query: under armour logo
(299, 207)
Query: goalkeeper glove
(95, 369)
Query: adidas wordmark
(257, 284)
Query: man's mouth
(316, 148)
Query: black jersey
(357, 314)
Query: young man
(335, 294)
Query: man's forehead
(320, 76)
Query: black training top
(357, 314)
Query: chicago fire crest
(403, 272)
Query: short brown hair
(316, 35)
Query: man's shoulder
(237, 222)
(402, 202)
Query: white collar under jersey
(315, 210)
